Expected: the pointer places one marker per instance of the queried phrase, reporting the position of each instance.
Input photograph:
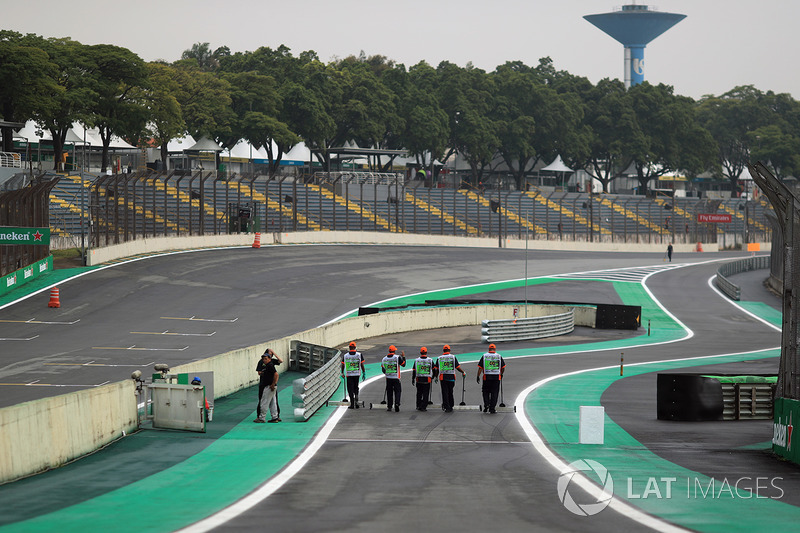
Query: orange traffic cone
(699, 247)
(257, 241)
(55, 300)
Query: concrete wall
(42, 434)
(162, 244)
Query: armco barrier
(733, 291)
(521, 329)
(311, 393)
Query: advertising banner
(716, 218)
(24, 236)
(783, 428)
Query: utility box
(178, 406)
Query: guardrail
(747, 401)
(306, 357)
(311, 393)
(527, 328)
(733, 291)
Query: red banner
(714, 218)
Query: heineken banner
(783, 427)
(24, 236)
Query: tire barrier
(527, 328)
(311, 393)
(733, 291)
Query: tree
(777, 142)
(165, 114)
(29, 81)
(426, 129)
(205, 101)
(255, 103)
(369, 112)
(118, 109)
(207, 60)
(615, 132)
(673, 139)
(729, 118)
(468, 95)
(77, 78)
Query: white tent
(29, 133)
(204, 145)
(179, 144)
(557, 166)
(298, 155)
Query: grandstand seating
(127, 206)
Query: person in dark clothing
(422, 373)
(352, 368)
(492, 366)
(390, 366)
(267, 387)
(446, 366)
(669, 252)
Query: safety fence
(733, 291)
(311, 393)
(306, 357)
(118, 208)
(521, 329)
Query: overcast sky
(721, 43)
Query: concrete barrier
(42, 434)
(96, 256)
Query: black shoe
(492, 411)
(352, 406)
(396, 408)
(357, 406)
(448, 410)
(259, 421)
(273, 420)
(485, 409)
(389, 408)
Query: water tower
(634, 26)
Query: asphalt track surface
(435, 471)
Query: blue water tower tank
(634, 26)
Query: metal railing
(305, 357)
(507, 330)
(10, 160)
(311, 393)
(733, 291)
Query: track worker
(353, 368)
(492, 366)
(422, 373)
(390, 366)
(446, 366)
(267, 387)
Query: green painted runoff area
(248, 454)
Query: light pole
(527, 220)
